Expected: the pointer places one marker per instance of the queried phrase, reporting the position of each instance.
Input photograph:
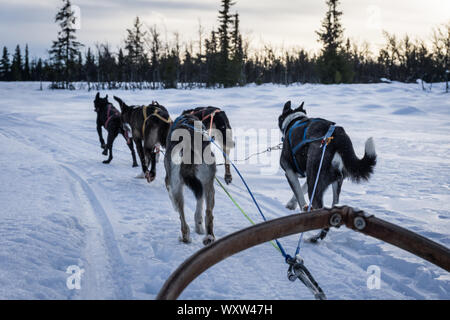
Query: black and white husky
(189, 161)
(217, 124)
(302, 159)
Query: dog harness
(156, 114)
(109, 116)
(203, 118)
(306, 122)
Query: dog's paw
(228, 178)
(208, 239)
(150, 176)
(135, 165)
(105, 152)
(185, 239)
(107, 161)
(292, 204)
(313, 240)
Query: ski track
(128, 231)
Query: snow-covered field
(60, 206)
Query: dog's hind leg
(199, 216)
(292, 178)
(209, 198)
(317, 204)
(337, 187)
(133, 153)
(140, 150)
(151, 156)
(292, 204)
(178, 202)
(111, 137)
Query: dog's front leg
(292, 178)
(100, 136)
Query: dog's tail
(194, 184)
(358, 169)
(121, 103)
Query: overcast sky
(288, 23)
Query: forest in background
(222, 58)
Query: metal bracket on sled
(297, 269)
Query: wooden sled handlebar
(298, 223)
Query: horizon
(292, 26)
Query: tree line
(223, 58)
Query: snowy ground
(60, 206)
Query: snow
(60, 206)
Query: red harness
(203, 118)
(109, 116)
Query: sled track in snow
(119, 270)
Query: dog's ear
(287, 107)
(97, 96)
(300, 108)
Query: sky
(280, 23)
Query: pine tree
(224, 67)
(134, 45)
(17, 66)
(237, 60)
(5, 65)
(211, 60)
(90, 68)
(65, 49)
(121, 66)
(26, 67)
(333, 66)
(155, 55)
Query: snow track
(61, 206)
(118, 272)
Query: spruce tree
(332, 63)
(224, 66)
(237, 60)
(17, 66)
(90, 68)
(134, 45)
(212, 60)
(5, 65)
(65, 49)
(155, 55)
(26, 66)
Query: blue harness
(305, 122)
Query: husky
(196, 175)
(216, 121)
(148, 125)
(110, 118)
(303, 160)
